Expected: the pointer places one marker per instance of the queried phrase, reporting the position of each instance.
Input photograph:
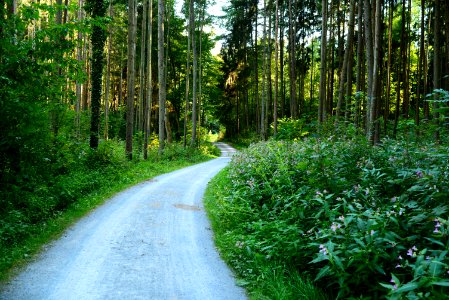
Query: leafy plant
(346, 214)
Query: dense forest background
(94, 71)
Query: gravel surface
(152, 241)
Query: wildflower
(401, 211)
(372, 232)
(398, 266)
(419, 174)
(366, 191)
(323, 249)
(319, 193)
(393, 199)
(395, 286)
(334, 227)
(400, 257)
(428, 257)
(412, 251)
(341, 218)
(239, 244)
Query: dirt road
(152, 241)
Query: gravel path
(152, 241)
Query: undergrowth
(36, 210)
(338, 216)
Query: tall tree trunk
(143, 41)
(437, 65)
(419, 85)
(281, 62)
(269, 115)
(276, 70)
(168, 104)
(161, 75)
(376, 99)
(98, 39)
(195, 73)
(292, 60)
(359, 76)
(108, 78)
(347, 57)
(390, 42)
(149, 97)
(79, 57)
(264, 74)
(187, 83)
(200, 72)
(131, 76)
(322, 105)
(370, 62)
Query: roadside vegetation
(327, 217)
(38, 208)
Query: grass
(262, 278)
(113, 180)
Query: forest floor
(152, 241)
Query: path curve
(152, 241)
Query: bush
(362, 221)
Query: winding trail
(152, 241)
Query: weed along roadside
(327, 219)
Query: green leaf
(323, 272)
(386, 285)
(441, 283)
(338, 262)
(407, 287)
(435, 241)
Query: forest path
(152, 241)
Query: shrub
(362, 221)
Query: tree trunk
(322, 105)
(419, 85)
(376, 99)
(79, 57)
(346, 59)
(264, 74)
(370, 62)
(292, 60)
(149, 97)
(108, 78)
(98, 39)
(437, 66)
(195, 72)
(276, 70)
(187, 84)
(161, 70)
(143, 40)
(131, 75)
(390, 41)
(359, 76)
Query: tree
(97, 9)
(195, 71)
(161, 75)
(322, 109)
(149, 84)
(131, 77)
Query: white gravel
(152, 241)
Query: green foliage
(331, 209)
(290, 129)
